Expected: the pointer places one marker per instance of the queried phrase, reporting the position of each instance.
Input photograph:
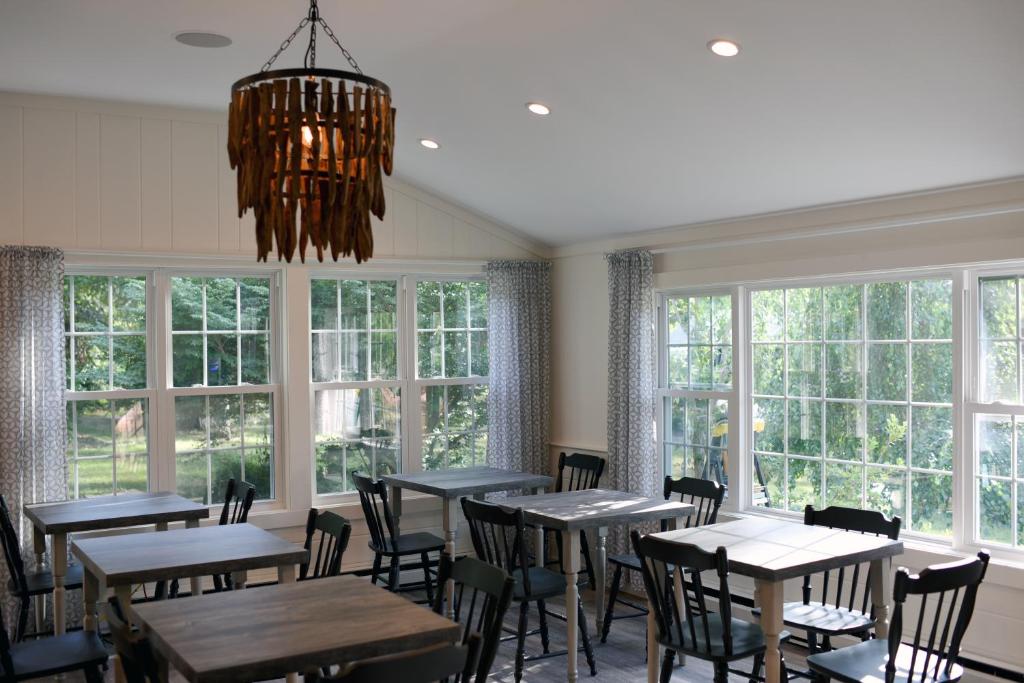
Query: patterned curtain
(33, 429)
(519, 335)
(632, 463)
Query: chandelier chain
(284, 45)
(334, 38)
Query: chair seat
(627, 561)
(544, 583)
(409, 544)
(865, 663)
(41, 583)
(826, 619)
(50, 656)
(747, 639)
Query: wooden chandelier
(303, 141)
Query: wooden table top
(775, 549)
(468, 481)
(594, 508)
(139, 558)
(112, 512)
(266, 632)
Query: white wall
(968, 225)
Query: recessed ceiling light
(538, 108)
(202, 39)
(724, 48)
(430, 144)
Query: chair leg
(812, 643)
(229, 583)
(588, 650)
(92, 674)
(755, 672)
(160, 591)
(218, 583)
(376, 569)
(613, 595)
(587, 562)
(544, 639)
(428, 586)
(826, 644)
(721, 672)
(394, 573)
(19, 632)
(558, 544)
(524, 606)
(666, 666)
(172, 592)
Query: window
(356, 381)
(451, 364)
(998, 414)
(852, 398)
(108, 389)
(696, 383)
(222, 384)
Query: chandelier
(309, 146)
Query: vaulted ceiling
(827, 102)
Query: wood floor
(620, 660)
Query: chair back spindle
(373, 497)
(704, 494)
(855, 594)
(133, 649)
(238, 499)
(578, 472)
(954, 589)
(483, 593)
(499, 537)
(334, 532)
(419, 666)
(687, 624)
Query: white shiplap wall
(101, 176)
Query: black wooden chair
(691, 628)
(137, 659)
(24, 585)
(419, 666)
(482, 595)
(44, 657)
(839, 610)
(499, 539)
(373, 496)
(578, 472)
(924, 659)
(335, 531)
(238, 498)
(706, 496)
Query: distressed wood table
(287, 627)
(591, 509)
(450, 486)
(771, 551)
(95, 514)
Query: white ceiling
(830, 100)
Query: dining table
(451, 485)
(589, 510)
(772, 551)
(58, 519)
(271, 631)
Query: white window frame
(974, 407)
(165, 376)
(400, 382)
(149, 393)
(737, 437)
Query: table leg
(60, 569)
(161, 526)
(286, 574)
(195, 582)
(124, 598)
(91, 592)
(239, 578)
(39, 546)
(599, 578)
(539, 538)
(770, 596)
(450, 522)
(880, 596)
(396, 508)
(653, 651)
(571, 563)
